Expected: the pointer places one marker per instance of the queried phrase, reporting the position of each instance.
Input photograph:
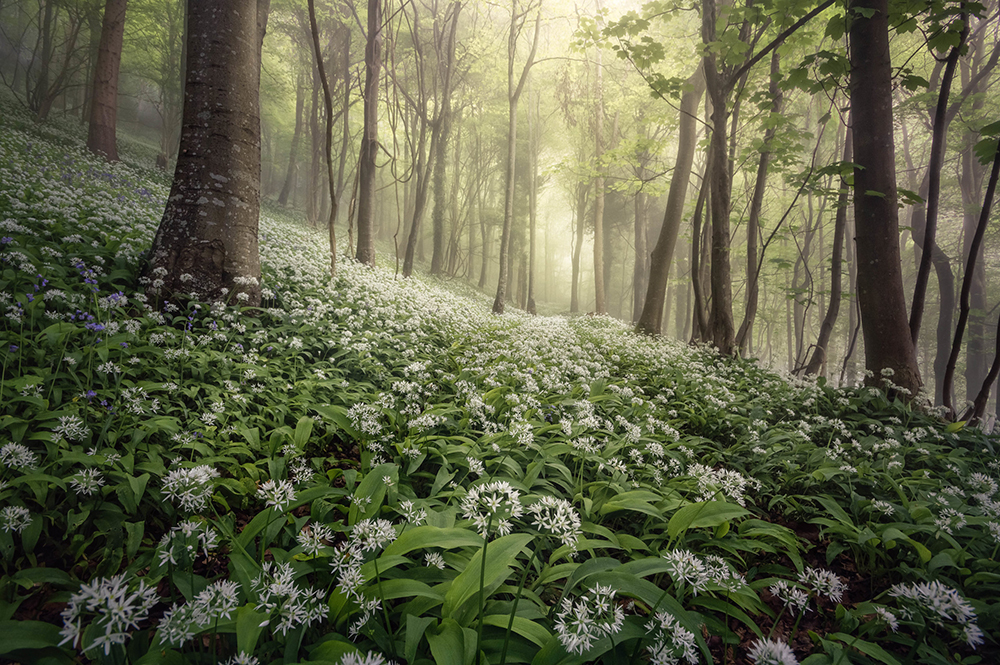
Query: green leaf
(867, 648)
(27, 635)
(415, 629)
(424, 537)
(447, 642)
(248, 628)
(704, 514)
(531, 630)
(372, 489)
(500, 555)
(303, 429)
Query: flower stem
(513, 611)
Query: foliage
(380, 466)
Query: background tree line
(807, 182)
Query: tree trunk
(640, 271)
(293, 150)
(745, 335)
(446, 58)
(965, 304)
(939, 136)
(723, 334)
(651, 318)
(533, 146)
(581, 213)
(104, 101)
(888, 345)
(817, 362)
(369, 137)
(599, 304)
(513, 95)
(328, 132)
(206, 243)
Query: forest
(467, 332)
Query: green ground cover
(372, 469)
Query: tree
(885, 326)
(369, 138)
(514, 90)
(328, 131)
(651, 318)
(206, 244)
(104, 105)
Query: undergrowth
(371, 468)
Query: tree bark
(965, 306)
(819, 357)
(513, 96)
(104, 100)
(722, 330)
(369, 137)
(581, 224)
(888, 345)
(651, 318)
(446, 67)
(293, 150)
(599, 304)
(328, 133)
(745, 335)
(206, 243)
(939, 136)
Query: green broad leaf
(338, 415)
(138, 486)
(835, 510)
(424, 537)
(31, 576)
(371, 492)
(404, 588)
(526, 628)
(721, 607)
(303, 430)
(27, 635)
(636, 500)
(867, 648)
(500, 556)
(415, 629)
(588, 568)
(955, 427)
(248, 628)
(133, 538)
(332, 651)
(447, 642)
(704, 514)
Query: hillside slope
(382, 465)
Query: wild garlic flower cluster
(112, 606)
(18, 456)
(190, 488)
(180, 544)
(492, 506)
(182, 622)
(557, 517)
(770, 652)
(15, 518)
(282, 599)
(590, 617)
(685, 567)
(823, 583)
(941, 606)
(313, 538)
(277, 494)
(672, 642)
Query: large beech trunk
(206, 243)
(888, 345)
